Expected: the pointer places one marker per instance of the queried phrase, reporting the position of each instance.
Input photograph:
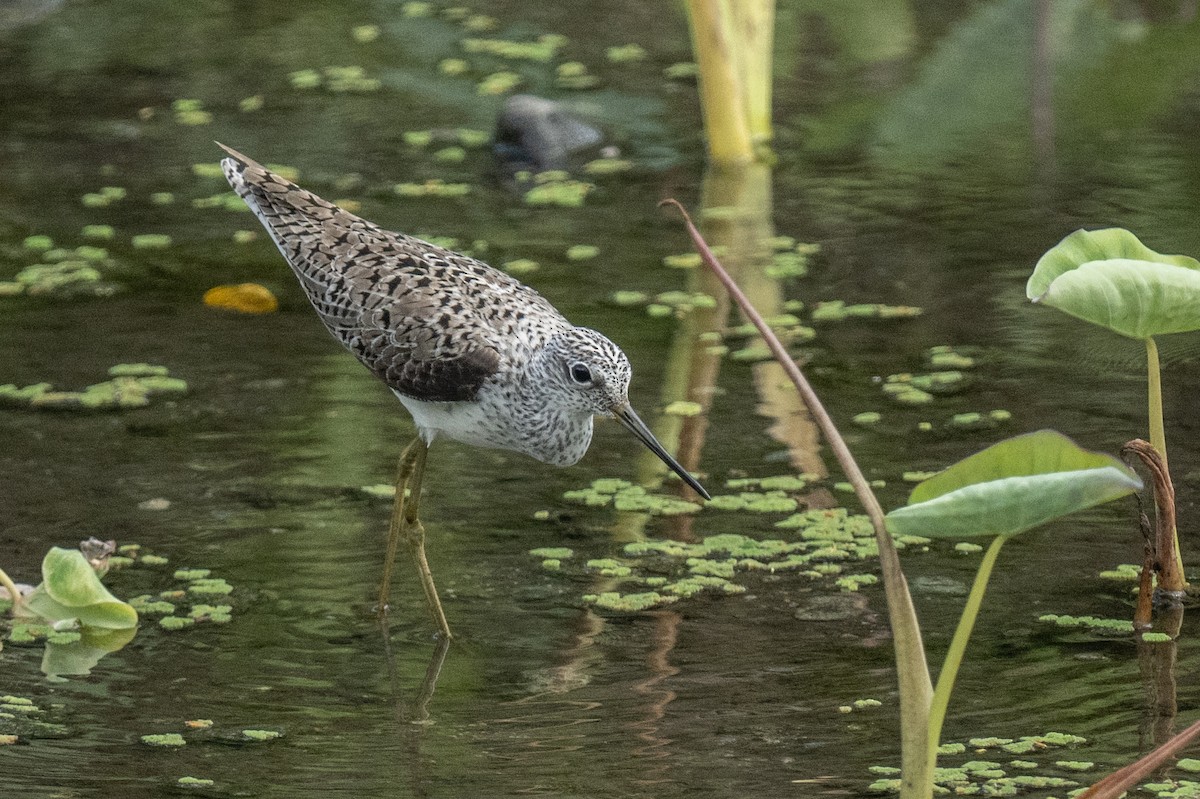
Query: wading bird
(473, 354)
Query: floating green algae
(122, 392)
(1124, 572)
(164, 739)
(261, 735)
(558, 553)
(683, 408)
(1156, 638)
(498, 83)
(337, 79)
(151, 241)
(627, 497)
(1089, 623)
(687, 260)
(607, 166)
(839, 310)
(98, 232)
(582, 252)
(194, 782)
(432, 188)
(867, 418)
(946, 357)
(176, 622)
(628, 603)
(188, 111)
(557, 188)
(453, 154)
(609, 567)
(682, 70)
(967, 548)
(943, 382)
(541, 50)
(625, 53)
(520, 266)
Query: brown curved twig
(1171, 582)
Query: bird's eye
(581, 374)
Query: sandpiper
(475, 355)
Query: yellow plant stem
(721, 91)
(754, 23)
(1158, 433)
(958, 647)
(11, 588)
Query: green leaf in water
(70, 589)
(1109, 278)
(1011, 487)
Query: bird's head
(590, 374)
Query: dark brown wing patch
(429, 322)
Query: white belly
(467, 422)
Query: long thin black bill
(636, 426)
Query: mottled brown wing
(427, 321)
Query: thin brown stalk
(1116, 784)
(916, 688)
(1171, 582)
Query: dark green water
(904, 151)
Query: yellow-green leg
(405, 523)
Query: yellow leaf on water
(244, 297)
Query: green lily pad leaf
(1011, 487)
(70, 589)
(1109, 278)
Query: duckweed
(1188, 764)
(967, 548)
(164, 739)
(151, 241)
(838, 310)
(520, 266)
(683, 408)
(574, 75)
(785, 265)
(681, 70)
(261, 735)
(190, 112)
(867, 418)
(1125, 572)
(453, 154)
(175, 622)
(609, 567)
(431, 188)
(628, 603)
(626, 53)
(607, 166)
(541, 50)
(945, 357)
(1156, 638)
(498, 83)
(582, 252)
(556, 188)
(687, 260)
(454, 66)
(558, 553)
(99, 232)
(194, 782)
